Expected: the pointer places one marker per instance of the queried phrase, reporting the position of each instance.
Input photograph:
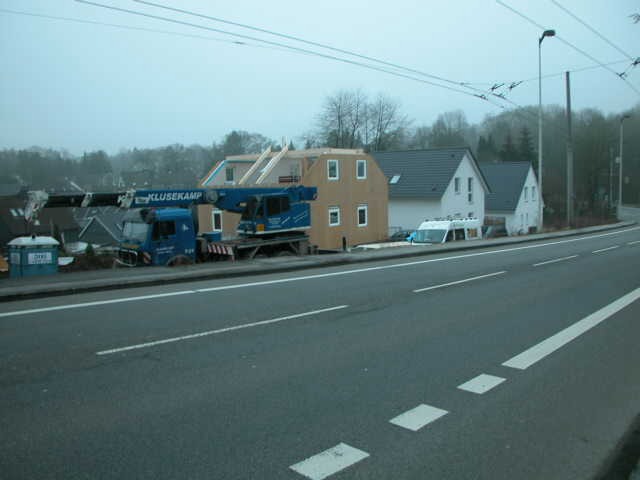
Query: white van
(441, 231)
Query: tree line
(354, 119)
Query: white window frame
(365, 209)
(362, 162)
(533, 193)
(215, 212)
(226, 175)
(470, 189)
(337, 211)
(526, 194)
(337, 163)
(456, 185)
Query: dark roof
(13, 223)
(506, 180)
(423, 173)
(100, 225)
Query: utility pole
(569, 156)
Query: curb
(186, 275)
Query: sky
(87, 86)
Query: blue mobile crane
(160, 228)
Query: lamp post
(622, 119)
(546, 33)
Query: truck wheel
(179, 260)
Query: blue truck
(160, 227)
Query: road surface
(508, 362)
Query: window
(229, 175)
(533, 194)
(470, 215)
(394, 179)
(333, 170)
(216, 220)
(277, 205)
(163, 229)
(361, 169)
(334, 216)
(459, 233)
(470, 189)
(362, 216)
(456, 185)
(526, 194)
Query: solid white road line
(554, 260)
(418, 417)
(329, 462)
(606, 249)
(551, 344)
(218, 331)
(312, 277)
(93, 304)
(633, 243)
(459, 281)
(481, 384)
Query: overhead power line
(569, 44)
(288, 47)
(477, 92)
(124, 27)
(593, 30)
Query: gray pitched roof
(506, 180)
(423, 173)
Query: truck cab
(157, 237)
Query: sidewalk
(77, 282)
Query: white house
(514, 197)
(436, 183)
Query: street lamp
(622, 119)
(546, 33)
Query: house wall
(219, 178)
(527, 211)
(456, 204)
(347, 193)
(408, 213)
(230, 221)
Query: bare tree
(387, 125)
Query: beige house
(351, 207)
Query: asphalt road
(344, 372)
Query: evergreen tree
(526, 151)
(508, 152)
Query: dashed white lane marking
(329, 462)
(459, 281)
(606, 249)
(93, 304)
(555, 260)
(418, 417)
(633, 243)
(311, 277)
(218, 331)
(481, 384)
(551, 344)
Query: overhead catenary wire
(569, 44)
(593, 30)
(124, 27)
(288, 47)
(477, 92)
(306, 42)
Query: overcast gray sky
(86, 86)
